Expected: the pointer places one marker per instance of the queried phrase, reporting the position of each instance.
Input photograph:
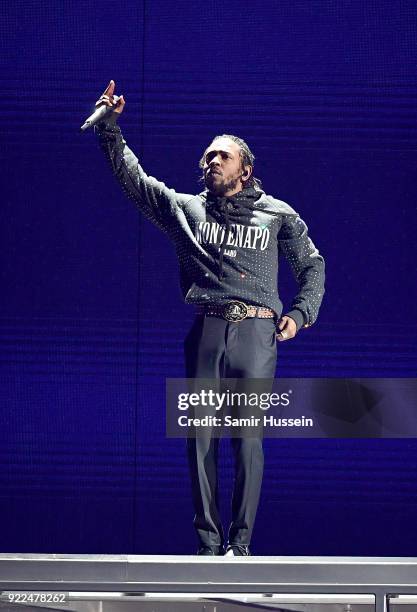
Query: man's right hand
(108, 98)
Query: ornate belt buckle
(235, 311)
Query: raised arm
(153, 198)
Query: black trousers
(215, 348)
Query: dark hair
(247, 158)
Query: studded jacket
(227, 248)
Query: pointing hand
(109, 99)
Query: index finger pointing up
(109, 89)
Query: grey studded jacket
(227, 248)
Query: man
(227, 240)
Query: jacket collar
(249, 195)
(252, 198)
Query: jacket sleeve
(152, 197)
(307, 266)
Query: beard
(220, 187)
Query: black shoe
(208, 551)
(237, 550)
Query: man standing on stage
(227, 240)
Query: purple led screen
(92, 319)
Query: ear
(247, 172)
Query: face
(223, 167)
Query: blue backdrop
(324, 92)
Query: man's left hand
(286, 329)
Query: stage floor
(153, 583)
